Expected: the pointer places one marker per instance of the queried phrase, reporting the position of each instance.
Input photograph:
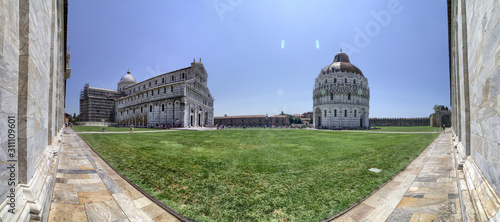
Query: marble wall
(32, 86)
(474, 28)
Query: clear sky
(263, 56)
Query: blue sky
(263, 56)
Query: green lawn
(258, 174)
(108, 129)
(407, 129)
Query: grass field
(258, 174)
(407, 129)
(108, 129)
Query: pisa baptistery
(341, 96)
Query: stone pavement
(426, 190)
(87, 189)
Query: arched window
(182, 75)
(331, 96)
(355, 113)
(349, 96)
(345, 113)
(164, 89)
(335, 113)
(141, 109)
(162, 80)
(172, 78)
(345, 80)
(354, 81)
(149, 84)
(163, 107)
(325, 112)
(334, 80)
(150, 108)
(171, 88)
(326, 81)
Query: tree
(439, 108)
(298, 120)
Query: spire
(340, 49)
(128, 71)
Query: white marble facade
(341, 96)
(178, 98)
(474, 44)
(34, 66)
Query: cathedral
(341, 96)
(179, 98)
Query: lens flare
(282, 44)
(317, 44)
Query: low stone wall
(399, 121)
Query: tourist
(132, 128)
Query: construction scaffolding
(97, 104)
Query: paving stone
(90, 176)
(414, 195)
(67, 212)
(166, 217)
(361, 213)
(132, 212)
(130, 191)
(142, 202)
(64, 193)
(89, 187)
(399, 215)
(153, 210)
(422, 217)
(94, 196)
(105, 211)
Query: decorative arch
(317, 120)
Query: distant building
(341, 96)
(97, 104)
(440, 118)
(253, 120)
(177, 98)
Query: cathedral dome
(341, 63)
(126, 81)
(128, 78)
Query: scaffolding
(97, 104)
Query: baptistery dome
(341, 63)
(341, 96)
